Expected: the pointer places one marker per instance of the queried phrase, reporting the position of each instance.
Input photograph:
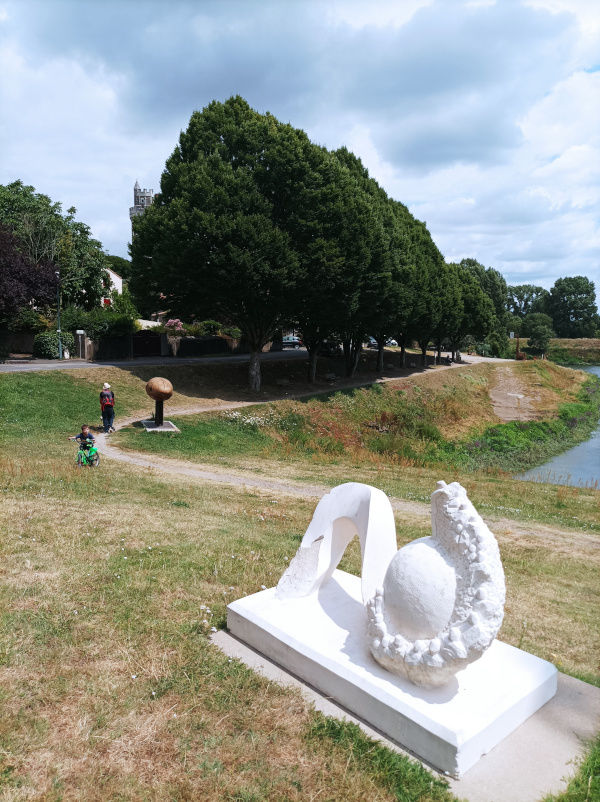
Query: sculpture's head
(159, 389)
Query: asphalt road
(18, 366)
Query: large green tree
(213, 243)
(47, 235)
(119, 265)
(494, 286)
(468, 310)
(23, 283)
(526, 298)
(332, 229)
(572, 306)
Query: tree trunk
(313, 355)
(355, 352)
(254, 374)
(347, 346)
(402, 353)
(439, 353)
(424, 355)
(380, 347)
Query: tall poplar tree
(212, 243)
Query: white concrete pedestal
(166, 426)
(321, 639)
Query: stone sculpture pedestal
(160, 390)
(165, 426)
(321, 639)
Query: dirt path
(571, 542)
(510, 398)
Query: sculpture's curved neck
(348, 510)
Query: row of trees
(263, 229)
(567, 310)
(259, 227)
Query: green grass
(41, 409)
(575, 352)
(212, 436)
(404, 778)
(585, 786)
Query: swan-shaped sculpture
(433, 606)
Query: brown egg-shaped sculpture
(159, 389)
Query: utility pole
(60, 348)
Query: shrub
(106, 323)
(175, 327)
(122, 303)
(232, 331)
(28, 320)
(73, 317)
(45, 344)
(539, 338)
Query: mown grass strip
(406, 779)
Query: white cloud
(70, 144)
(482, 117)
(382, 14)
(569, 115)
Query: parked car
(290, 341)
(372, 343)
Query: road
(15, 366)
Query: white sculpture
(432, 607)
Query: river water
(578, 467)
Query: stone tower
(142, 198)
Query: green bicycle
(88, 456)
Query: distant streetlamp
(60, 348)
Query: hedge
(45, 344)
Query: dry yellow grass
(111, 689)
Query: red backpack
(107, 399)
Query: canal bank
(578, 466)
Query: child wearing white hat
(107, 405)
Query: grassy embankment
(405, 435)
(111, 582)
(582, 351)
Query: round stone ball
(419, 590)
(159, 389)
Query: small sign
(511, 335)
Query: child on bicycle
(85, 437)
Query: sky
(482, 117)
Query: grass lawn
(113, 578)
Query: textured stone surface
(159, 389)
(429, 642)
